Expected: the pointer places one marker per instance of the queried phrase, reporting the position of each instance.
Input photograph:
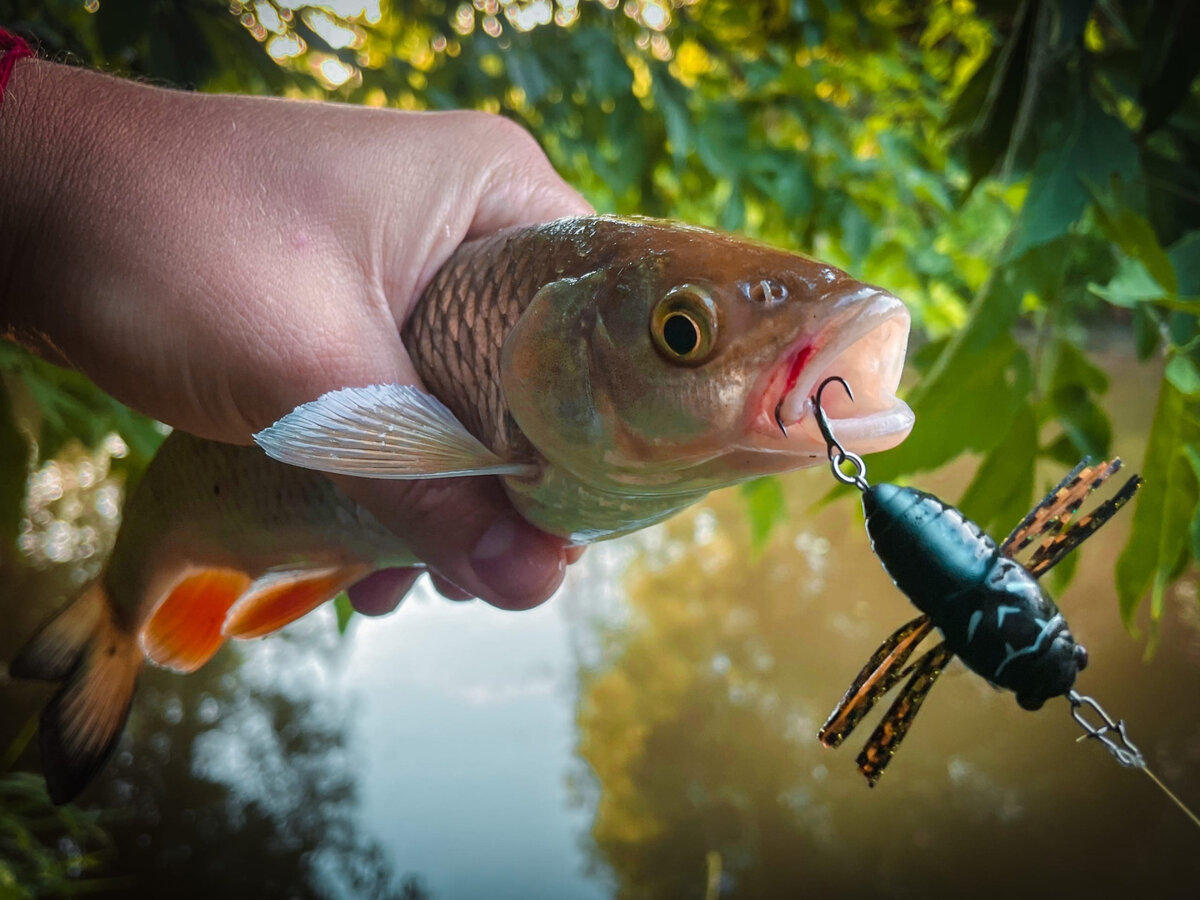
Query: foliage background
(1023, 173)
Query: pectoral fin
(381, 431)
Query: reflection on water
(650, 733)
(237, 780)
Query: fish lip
(873, 314)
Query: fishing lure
(990, 609)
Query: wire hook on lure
(839, 455)
(990, 609)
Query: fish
(610, 371)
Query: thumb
(520, 186)
(468, 533)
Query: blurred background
(1024, 174)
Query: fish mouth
(866, 347)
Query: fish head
(672, 366)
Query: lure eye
(684, 325)
(1081, 657)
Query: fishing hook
(837, 453)
(779, 417)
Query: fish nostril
(766, 292)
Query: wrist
(32, 143)
(75, 151)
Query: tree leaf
(1169, 53)
(1146, 332)
(671, 100)
(979, 382)
(1070, 400)
(1136, 238)
(1096, 148)
(344, 611)
(14, 471)
(1185, 261)
(1083, 422)
(766, 507)
(999, 495)
(1166, 505)
(1193, 456)
(1178, 509)
(1133, 284)
(527, 73)
(1183, 374)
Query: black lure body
(991, 610)
(993, 614)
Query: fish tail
(98, 660)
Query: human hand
(213, 261)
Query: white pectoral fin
(381, 431)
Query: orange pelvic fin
(98, 661)
(279, 598)
(184, 631)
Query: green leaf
(1133, 284)
(856, 233)
(1064, 572)
(1183, 374)
(1185, 261)
(1097, 147)
(987, 105)
(73, 408)
(1170, 63)
(766, 506)
(999, 495)
(723, 141)
(527, 73)
(1070, 400)
(1178, 511)
(1136, 238)
(1165, 508)
(344, 610)
(1193, 456)
(970, 396)
(1083, 422)
(733, 214)
(970, 405)
(671, 100)
(1146, 332)
(1072, 367)
(14, 470)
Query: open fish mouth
(867, 349)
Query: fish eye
(684, 325)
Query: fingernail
(381, 592)
(520, 564)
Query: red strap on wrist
(12, 48)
